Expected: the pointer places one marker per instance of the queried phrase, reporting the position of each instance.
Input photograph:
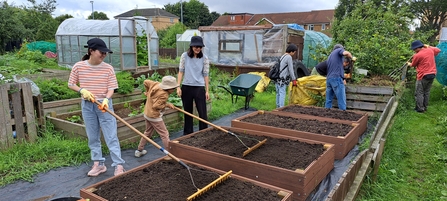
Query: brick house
(159, 18)
(316, 20)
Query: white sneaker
(138, 154)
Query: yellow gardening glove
(104, 105)
(426, 46)
(87, 95)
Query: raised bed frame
(87, 193)
(301, 182)
(125, 134)
(362, 122)
(343, 144)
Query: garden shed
(312, 40)
(134, 41)
(183, 40)
(249, 45)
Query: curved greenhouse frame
(122, 36)
(311, 40)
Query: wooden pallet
(17, 114)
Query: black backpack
(274, 71)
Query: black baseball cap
(98, 44)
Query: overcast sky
(83, 8)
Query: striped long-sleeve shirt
(97, 79)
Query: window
(171, 20)
(232, 18)
(230, 46)
(323, 27)
(310, 27)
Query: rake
(249, 149)
(399, 73)
(199, 191)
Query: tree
(168, 37)
(12, 28)
(344, 8)
(431, 13)
(195, 13)
(98, 16)
(62, 18)
(377, 34)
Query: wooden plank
(377, 158)
(16, 99)
(355, 187)
(380, 130)
(369, 90)
(29, 111)
(368, 98)
(6, 139)
(38, 105)
(362, 105)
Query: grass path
(413, 166)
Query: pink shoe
(97, 169)
(119, 169)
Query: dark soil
(312, 126)
(282, 153)
(378, 80)
(168, 180)
(323, 112)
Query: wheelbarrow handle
(225, 89)
(144, 136)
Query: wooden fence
(167, 52)
(18, 115)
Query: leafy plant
(75, 119)
(55, 89)
(125, 82)
(142, 46)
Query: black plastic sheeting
(323, 189)
(67, 181)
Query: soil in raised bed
(312, 126)
(323, 112)
(284, 153)
(168, 180)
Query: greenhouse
(183, 40)
(126, 37)
(312, 40)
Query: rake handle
(203, 120)
(142, 135)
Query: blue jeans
(280, 95)
(335, 86)
(94, 120)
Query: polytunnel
(312, 39)
(128, 38)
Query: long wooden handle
(203, 120)
(142, 135)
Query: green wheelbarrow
(243, 85)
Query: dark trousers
(191, 95)
(422, 93)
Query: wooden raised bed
(63, 106)
(343, 144)
(48, 74)
(368, 98)
(318, 112)
(301, 182)
(125, 134)
(170, 182)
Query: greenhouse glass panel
(128, 45)
(129, 61)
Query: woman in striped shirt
(97, 81)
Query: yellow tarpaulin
(306, 86)
(263, 83)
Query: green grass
(414, 162)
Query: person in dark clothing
(335, 83)
(193, 76)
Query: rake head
(209, 186)
(399, 73)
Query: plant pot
(166, 186)
(301, 181)
(343, 143)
